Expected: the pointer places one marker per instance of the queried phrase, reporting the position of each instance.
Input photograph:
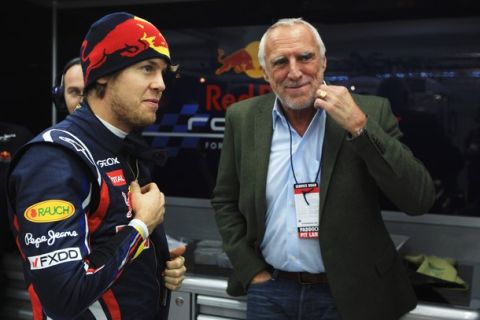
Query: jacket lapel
(263, 132)
(334, 137)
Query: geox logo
(107, 162)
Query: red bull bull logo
(243, 60)
(5, 156)
(128, 39)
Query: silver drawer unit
(209, 301)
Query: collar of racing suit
(134, 143)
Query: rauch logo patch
(49, 211)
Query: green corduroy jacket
(365, 273)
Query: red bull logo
(127, 39)
(5, 156)
(243, 60)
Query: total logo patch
(117, 177)
(49, 211)
(54, 258)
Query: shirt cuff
(357, 134)
(140, 226)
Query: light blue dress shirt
(281, 246)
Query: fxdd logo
(54, 258)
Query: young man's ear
(103, 80)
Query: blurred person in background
(68, 90)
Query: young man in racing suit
(86, 216)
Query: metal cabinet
(222, 308)
(180, 305)
(437, 312)
(203, 298)
(15, 304)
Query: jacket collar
(133, 144)
(263, 131)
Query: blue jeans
(279, 299)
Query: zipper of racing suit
(134, 174)
(163, 296)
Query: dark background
(355, 51)
(27, 33)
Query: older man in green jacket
(298, 187)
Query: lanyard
(291, 163)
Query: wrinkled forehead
(290, 39)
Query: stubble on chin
(296, 105)
(299, 102)
(144, 120)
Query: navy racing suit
(70, 215)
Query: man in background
(68, 90)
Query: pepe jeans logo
(49, 238)
(49, 211)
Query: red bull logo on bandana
(243, 60)
(127, 39)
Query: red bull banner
(191, 119)
(242, 60)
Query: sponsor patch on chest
(117, 177)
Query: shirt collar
(277, 113)
(119, 133)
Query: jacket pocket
(386, 260)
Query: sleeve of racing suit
(49, 190)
